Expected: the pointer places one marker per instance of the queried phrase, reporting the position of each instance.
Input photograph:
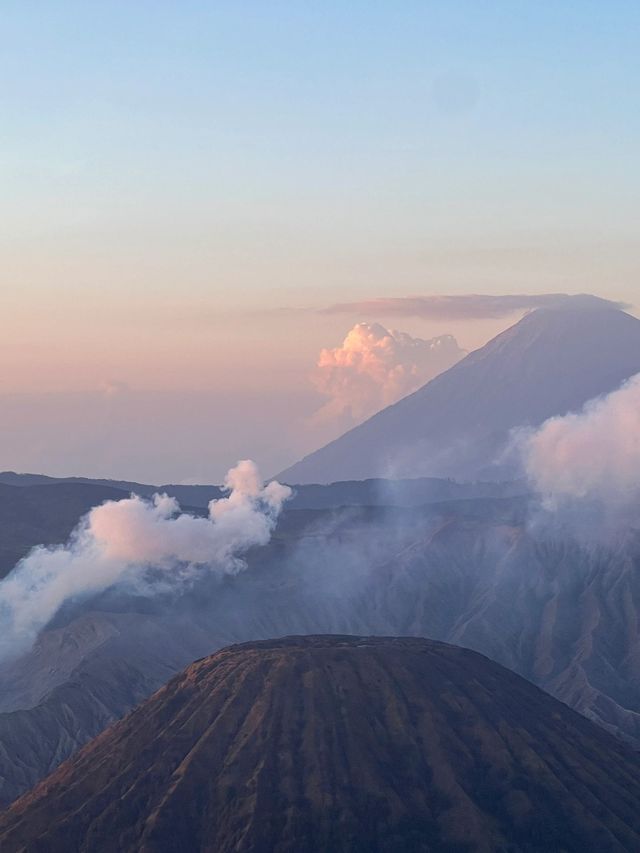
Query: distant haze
(152, 436)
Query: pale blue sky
(171, 172)
(314, 132)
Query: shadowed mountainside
(340, 744)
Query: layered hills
(561, 613)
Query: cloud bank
(594, 453)
(375, 367)
(147, 544)
(470, 306)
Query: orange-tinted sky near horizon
(66, 338)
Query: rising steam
(594, 453)
(135, 541)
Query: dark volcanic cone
(339, 744)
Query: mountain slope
(551, 362)
(333, 743)
(474, 573)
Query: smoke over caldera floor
(148, 546)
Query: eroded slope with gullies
(336, 743)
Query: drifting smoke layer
(594, 453)
(375, 367)
(463, 306)
(135, 541)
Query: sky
(187, 187)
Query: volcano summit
(341, 744)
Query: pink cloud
(374, 367)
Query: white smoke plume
(594, 453)
(135, 541)
(375, 367)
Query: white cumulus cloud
(375, 367)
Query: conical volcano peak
(339, 744)
(583, 318)
(550, 362)
(580, 302)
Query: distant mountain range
(457, 425)
(341, 744)
(40, 510)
